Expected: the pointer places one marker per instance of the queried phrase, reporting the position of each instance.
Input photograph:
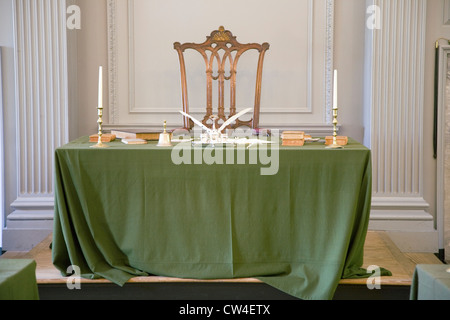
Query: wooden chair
(218, 49)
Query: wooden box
(293, 135)
(106, 137)
(293, 142)
(341, 140)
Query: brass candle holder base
(335, 145)
(100, 144)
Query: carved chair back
(223, 51)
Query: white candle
(100, 87)
(335, 93)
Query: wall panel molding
(126, 105)
(112, 60)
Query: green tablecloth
(18, 279)
(129, 210)
(431, 282)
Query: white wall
(7, 161)
(91, 52)
(6, 36)
(349, 33)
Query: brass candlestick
(335, 145)
(100, 143)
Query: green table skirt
(431, 282)
(18, 279)
(127, 211)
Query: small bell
(164, 138)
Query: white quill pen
(233, 118)
(224, 125)
(196, 121)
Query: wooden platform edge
(379, 250)
(405, 263)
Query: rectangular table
(18, 279)
(431, 282)
(132, 210)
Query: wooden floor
(379, 251)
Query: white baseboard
(26, 228)
(407, 223)
(23, 239)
